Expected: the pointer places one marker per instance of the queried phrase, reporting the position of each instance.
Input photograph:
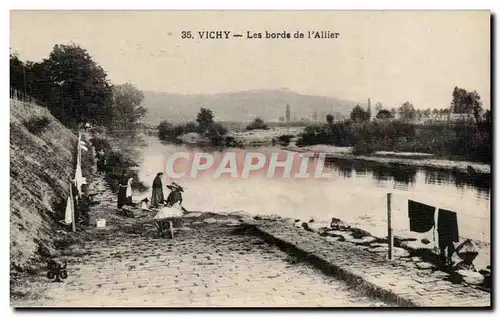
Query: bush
(257, 124)
(284, 140)
(169, 131)
(117, 164)
(37, 125)
(100, 144)
(216, 134)
(461, 140)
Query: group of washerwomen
(157, 197)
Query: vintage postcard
(250, 159)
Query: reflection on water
(404, 176)
(357, 193)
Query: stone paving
(398, 278)
(206, 265)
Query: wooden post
(171, 225)
(73, 220)
(79, 163)
(390, 238)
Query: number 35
(186, 35)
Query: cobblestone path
(205, 265)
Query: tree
(384, 114)
(378, 107)
(359, 114)
(329, 119)
(69, 82)
(127, 111)
(205, 119)
(468, 103)
(80, 85)
(473, 102)
(257, 124)
(16, 72)
(427, 113)
(394, 112)
(487, 116)
(407, 112)
(216, 133)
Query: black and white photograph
(257, 159)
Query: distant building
(459, 116)
(287, 113)
(369, 109)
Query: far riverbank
(333, 152)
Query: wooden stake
(73, 220)
(171, 225)
(390, 238)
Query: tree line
(76, 89)
(468, 137)
(467, 104)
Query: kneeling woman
(125, 192)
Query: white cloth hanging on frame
(68, 216)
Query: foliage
(329, 119)
(37, 125)
(100, 144)
(205, 126)
(127, 112)
(205, 119)
(76, 89)
(359, 114)
(117, 165)
(407, 112)
(284, 139)
(257, 124)
(467, 102)
(459, 140)
(384, 114)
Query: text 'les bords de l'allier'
(226, 35)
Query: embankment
(42, 161)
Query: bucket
(101, 223)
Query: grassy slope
(41, 165)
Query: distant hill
(242, 106)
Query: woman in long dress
(129, 192)
(157, 195)
(122, 191)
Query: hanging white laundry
(79, 181)
(128, 193)
(68, 216)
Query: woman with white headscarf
(128, 193)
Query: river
(356, 193)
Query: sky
(387, 56)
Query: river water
(356, 193)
